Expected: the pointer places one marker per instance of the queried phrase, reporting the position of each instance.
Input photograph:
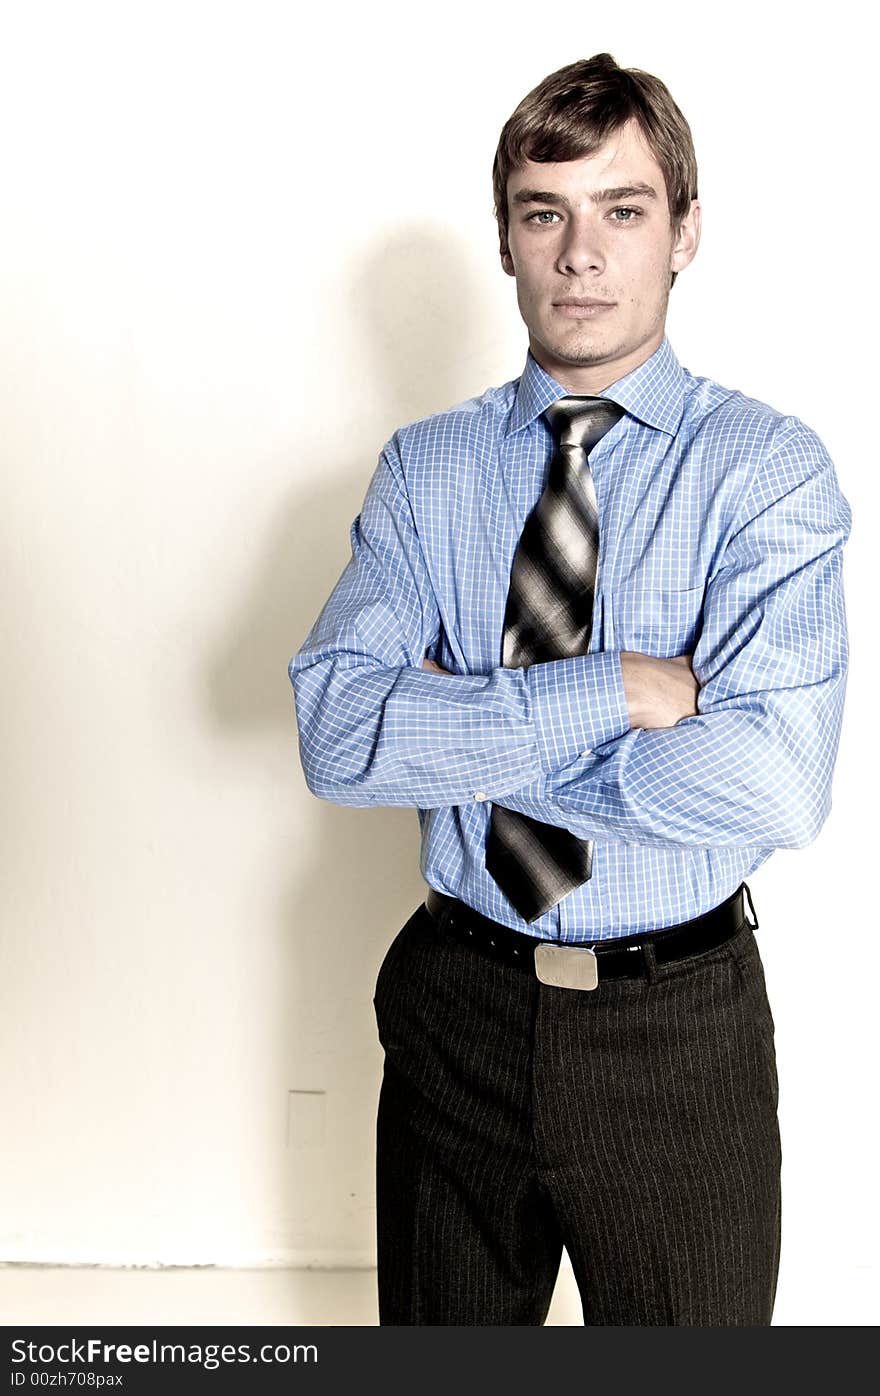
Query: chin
(581, 350)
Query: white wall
(238, 250)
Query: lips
(583, 301)
(581, 308)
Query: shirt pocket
(660, 621)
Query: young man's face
(578, 232)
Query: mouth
(581, 307)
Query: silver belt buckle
(566, 966)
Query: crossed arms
(733, 745)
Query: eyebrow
(600, 196)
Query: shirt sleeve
(375, 727)
(753, 768)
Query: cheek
(529, 274)
(645, 279)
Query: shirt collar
(653, 392)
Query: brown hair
(575, 109)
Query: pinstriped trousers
(634, 1124)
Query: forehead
(623, 159)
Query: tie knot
(582, 421)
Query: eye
(542, 216)
(636, 212)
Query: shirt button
(586, 753)
(479, 795)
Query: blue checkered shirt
(721, 526)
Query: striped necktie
(549, 615)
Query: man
(593, 630)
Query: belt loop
(751, 906)
(439, 915)
(443, 918)
(649, 959)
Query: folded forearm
(371, 734)
(754, 775)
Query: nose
(580, 250)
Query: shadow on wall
(424, 321)
(416, 307)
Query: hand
(659, 692)
(434, 668)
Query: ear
(685, 247)
(506, 259)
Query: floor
(37, 1294)
(41, 1294)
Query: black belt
(581, 966)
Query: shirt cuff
(577, 704)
